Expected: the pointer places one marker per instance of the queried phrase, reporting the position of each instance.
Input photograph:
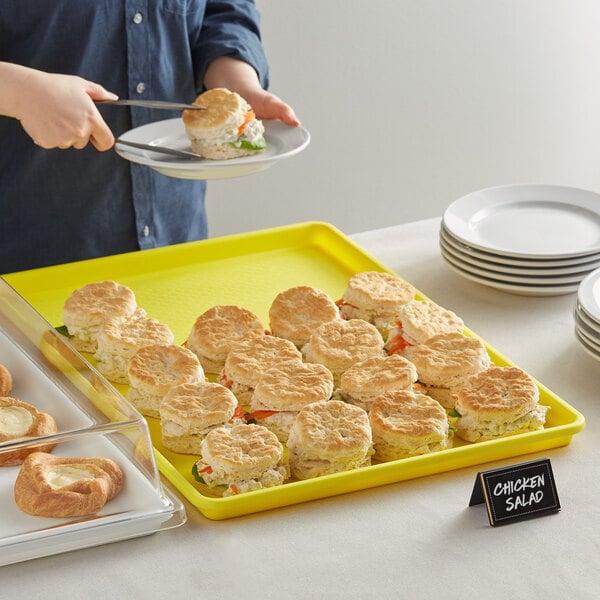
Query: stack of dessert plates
(587, 314)
(535, 240)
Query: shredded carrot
(396, 344)
(206, 469)
(223, 380)
(249, 117)
(260, 414)
(238, 413)
(234, 488)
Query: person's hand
(268, 106)
(58, 111)
(240, 77)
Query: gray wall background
(413, 103)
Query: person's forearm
(233, 74)
(13, 80)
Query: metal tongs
(152, 104)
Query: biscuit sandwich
(18, 421)
(249, 359)
(119, 339)
(375, 297)
(54, 486)
(217, 330)
(88, 307)
(366, 380)
(189, 411)
(227, 128)
(498, 402)
(340, 344)
(284, 389)
(154, 370)
(405, 423)
(329, 437)
(445, 361)
(418, 321)
(296, 312)
(240, 459)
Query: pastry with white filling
(20, 420)
(54, 486)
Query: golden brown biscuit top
(421, 320)
(216, 330)
(291, 385)
(125, 335)
(249, 448)
(296, 312)
(499, 391)
(332, 428)
(221, 105)
(203, 403)
(100, 301)
(340, 344)
(378, 373)
(407, 413)
(165, 365)
(6, 381)
(448, 357)
(374, 289)
(251, 357)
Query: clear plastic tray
(93, 420)
(178, 283)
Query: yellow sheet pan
(178, 283)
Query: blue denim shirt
(59, 206)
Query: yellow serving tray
(177, 283)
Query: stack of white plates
(587, 314)
(535, 240)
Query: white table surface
(414, 539)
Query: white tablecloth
(415, 539)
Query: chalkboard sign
(521, 491)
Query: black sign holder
(521, 491)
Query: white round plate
(540, 221)
(521, 290)
(576, 273)
(283, 141)
(588, 332)
(587, 320)
(586, 262)
(588, 294)
(525, 280)
(588, 348)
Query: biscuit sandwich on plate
(240, 459)
(217, 330)
(366, 380)
(227, 128)
(405, 423)
(154, 370)
(418, 321)
(329, 437)
(88, 307)
(189, 411)
(340, 344)
(119, 339)
(284, 389)
(498, 402)
(55, 486)
(19, 420)
(375, 297)
(296, 312)
(249, 359)
(445, 361)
